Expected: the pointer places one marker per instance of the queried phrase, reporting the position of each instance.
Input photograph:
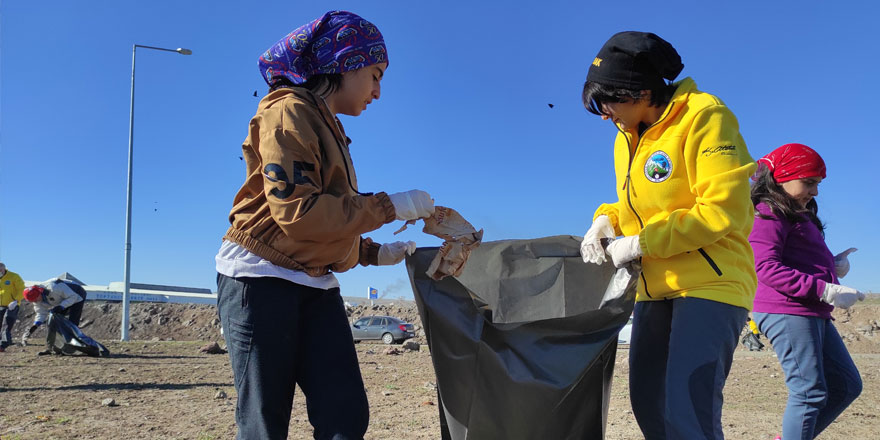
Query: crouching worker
(54, 296)
(296, 220)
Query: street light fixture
(126, 277)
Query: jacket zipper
(627, 186)
(710, 261)
(346, 158)
(641, 225)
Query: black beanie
(635, 61)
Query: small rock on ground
(212, 348)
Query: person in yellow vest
(11, 288)
(684, 212)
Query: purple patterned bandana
(337, 42)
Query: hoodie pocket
(710, 261)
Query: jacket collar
(305, 95)
(683, 89)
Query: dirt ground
(163, 387)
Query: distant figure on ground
(11, 290)
(798, 287)
(682, 171)
(56, 296)
(298, 218)
(752, 338)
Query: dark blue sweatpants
(680, 355)
(281, 334)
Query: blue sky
(463, 115)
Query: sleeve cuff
(369, 252)
(820, 288)
(612, 216)
(386, 206)
(643, 243)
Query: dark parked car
(388, 329)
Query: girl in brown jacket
(297, 219)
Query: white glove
(393, 253)
(624, 250)
(591, 248)
(412, 205)
(841, 296)
(841, 263)
(12, 305)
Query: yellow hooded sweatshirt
(11, 288)
(683, 188)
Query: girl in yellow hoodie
(683, 207)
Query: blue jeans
(7, 321)
(279, 335)
(821, 377)
(685, 346)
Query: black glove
(57, 309)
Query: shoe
(2, 349)
(45, 352)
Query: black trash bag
(752, 342)
(74, 338)
(523, 341)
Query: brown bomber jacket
(298, 207)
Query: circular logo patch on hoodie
(658, 167)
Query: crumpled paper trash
(460, 237)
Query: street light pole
(127, 275)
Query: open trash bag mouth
(523, 340)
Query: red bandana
(792, 162)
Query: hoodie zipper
(641, 225)
(627, 185)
